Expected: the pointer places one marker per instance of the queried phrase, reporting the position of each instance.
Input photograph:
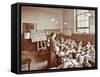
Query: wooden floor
(39, 60)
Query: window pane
(86, 23)
(83, 24)
(81, 11)
(81, 31)
(82, 17)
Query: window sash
(82, 21)
(83, 30)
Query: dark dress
(52, 62)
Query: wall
(42, 17)
(69, 19)
(92, 22)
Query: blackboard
(38, 35)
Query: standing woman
(53, 41)
(52, 55)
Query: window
(82, 21)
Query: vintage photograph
(57, 38)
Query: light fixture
(65, 23)
(56, 22)
(52, 19)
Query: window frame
(77, 27)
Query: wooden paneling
(83, 37)
(26, 44)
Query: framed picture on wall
(53, 38)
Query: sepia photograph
(57, 38)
